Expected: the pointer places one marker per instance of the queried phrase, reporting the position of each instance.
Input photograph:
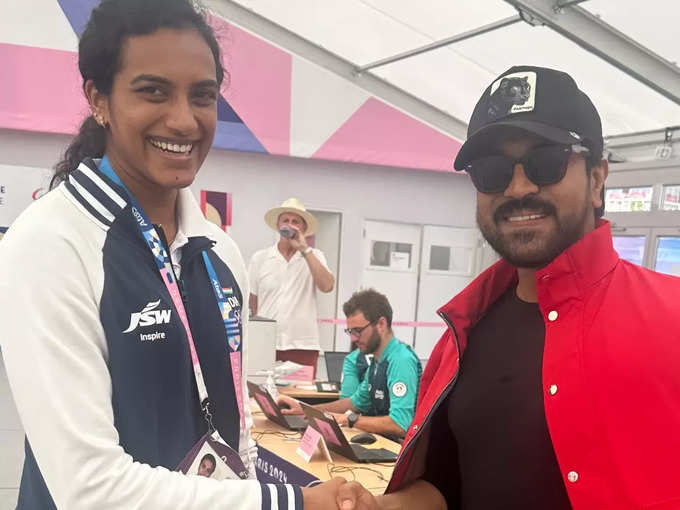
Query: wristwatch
(352, 419)
(306, 250)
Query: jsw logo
(149, 316)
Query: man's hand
(322, 496)
(288, 405)
(299, 242)
(346, 495)
(353, 496)
(340, 418)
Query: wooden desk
(307, 396)
(318, 466)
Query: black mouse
(363, 438)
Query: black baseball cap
(542, 101)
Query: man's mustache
(528, 203)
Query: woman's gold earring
(99, 118)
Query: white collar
(274, 252)
(190, 219)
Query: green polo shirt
(391, 386)
(353, 372)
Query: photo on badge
(207, 463)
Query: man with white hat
(284, 279)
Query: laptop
(272, 410)
(334, 362)
(337, 442)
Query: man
(354, 369)
(207, 466)
(567, 393)
(385, 401)
(284, 279)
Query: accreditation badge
(212, 458)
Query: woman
(120, 303)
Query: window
(440, 258)
(391, 255)
(628, 199)
(668, 255)
(457, 260)
(630, 248)
(670, 199)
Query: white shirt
(286, 292)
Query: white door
(327, 239)
(451, 258)
(390, 256)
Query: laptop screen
(334, 361)
(263, 399)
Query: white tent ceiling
(452, 78)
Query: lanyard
(230, 310)
(231, 315)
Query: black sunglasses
(357, 331)
(543, 165)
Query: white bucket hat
(292, 205)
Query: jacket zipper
(444, 394)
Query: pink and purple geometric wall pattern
(272, 102)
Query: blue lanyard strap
(230, 309)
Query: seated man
(385, 401)
(353, 370)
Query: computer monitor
(334, 362)
(261, 347)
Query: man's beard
(373, 343)
(523, 248)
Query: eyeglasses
(357, 331)
(542, 165)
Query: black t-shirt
(493, 422)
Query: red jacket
(611, 375)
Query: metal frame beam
(603, 40)
(293, 43)
(443, 42)
(654, 137)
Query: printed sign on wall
(216, 206)
(19, 187)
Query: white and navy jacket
(109, 402)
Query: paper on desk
(306, 373)
(308, 444)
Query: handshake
(341, 494)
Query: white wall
(259, 182)
(359, 192)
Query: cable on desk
(337, 470)
(257, 435)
